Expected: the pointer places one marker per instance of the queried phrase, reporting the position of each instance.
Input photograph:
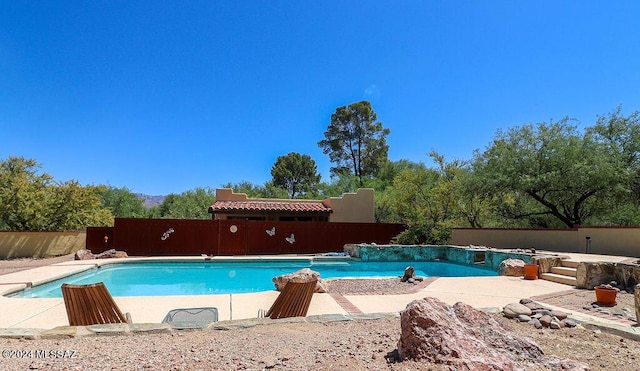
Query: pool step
(565, 274)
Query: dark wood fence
(145, 237)
(96, 241)
(262, 237)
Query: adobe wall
(353, 207)
(227, 194)
(40, 244)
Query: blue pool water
(207, 278)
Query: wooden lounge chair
(293, 301)
(91, 305)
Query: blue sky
(165, 96)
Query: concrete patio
(479, 292)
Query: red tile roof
(288, 206)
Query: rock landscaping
(86, 254)
(511, 267)
(537, 315)
(301, 276)
(465, 338)
(410, 275)
(592, 274)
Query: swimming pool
(232, 277)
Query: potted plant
(606, 294)
(531, 271)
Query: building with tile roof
(355, 207)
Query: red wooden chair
(293, 301)
(91, 305)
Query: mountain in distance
(150, 201)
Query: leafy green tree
(625, 213)
(123, 203)
(74, 207)
(267, 190)
(163, 210)
(345, 183)
(387, 173)
(383, 181)
(621, 137)
(24, 191)
(476, 208)
(339, 184)
(296, 173)
(192, 204)
(458, 190)
(355, 141)
(415, 200)
(549, 173)
(431, 200)
(31, 200)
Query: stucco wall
(353, 207)
(622, 241)
(40, 244)
(227, 194)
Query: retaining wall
(490, 258)
(40, 244)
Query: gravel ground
(578, 299)
(384, 286)
(20, 264)
(601, 351)
(356, 345)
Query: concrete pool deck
(479, 292)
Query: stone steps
(565, 271)
(570, 263)
(559, 278)
(565, 274)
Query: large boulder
(83, 254)
(121, 254)
(107, 254)
(592, 274)
(627, 275)
(301, 276)
(112, 254)
(511, 267)
(409, 272)
(546, 262)
(410, 275)
(513, 310)
(467, 339)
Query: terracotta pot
(606, 296)
(530, 271)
